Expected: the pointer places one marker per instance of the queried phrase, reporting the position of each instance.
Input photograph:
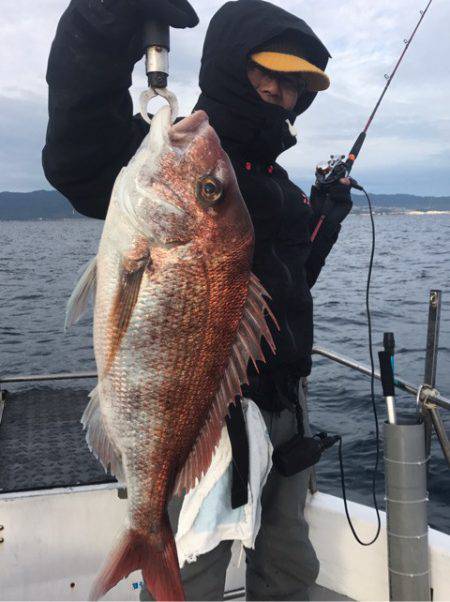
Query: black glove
(176, 13)
(121, 21)
(337, 207)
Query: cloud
(22, 131)
(408, 145)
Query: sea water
(40, 261)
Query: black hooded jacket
(247, 125)
(92, 134)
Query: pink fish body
(178, 314)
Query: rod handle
(389, 342)
(387, 374)
(355, 151)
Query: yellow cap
(316, 79)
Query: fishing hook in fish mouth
(150, 93)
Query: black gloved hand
(121, 21)
(339, 206)
(176, 13)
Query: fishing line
(327, 175)
(372, 396)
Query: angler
(261, 68)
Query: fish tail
(161, 570)
(156, 557)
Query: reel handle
(330, 173)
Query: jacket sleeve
(336, 206)
(320, 248)
(91, 131)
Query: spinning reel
(331, 171)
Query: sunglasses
(294, 81)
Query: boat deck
(317, 593)
(42, 446)
(42, 443)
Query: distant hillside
(49, 204)
(39, 204)
(404, 201)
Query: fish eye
(209, 190)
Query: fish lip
(191, 122)
(185, 131)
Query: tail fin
(156, 557)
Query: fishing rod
(338, 166)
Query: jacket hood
(244, 122)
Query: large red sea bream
(178, 314)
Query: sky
(407, 148)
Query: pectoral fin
(77, 304)
(127, 293)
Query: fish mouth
(184, 132)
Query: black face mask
(244, 122)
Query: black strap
(240, 454)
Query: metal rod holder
(406, 508)
(439, 428)
(432, 347)
(434, 322)
(428, 409)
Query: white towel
(206, 516)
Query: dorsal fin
(246, 347)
